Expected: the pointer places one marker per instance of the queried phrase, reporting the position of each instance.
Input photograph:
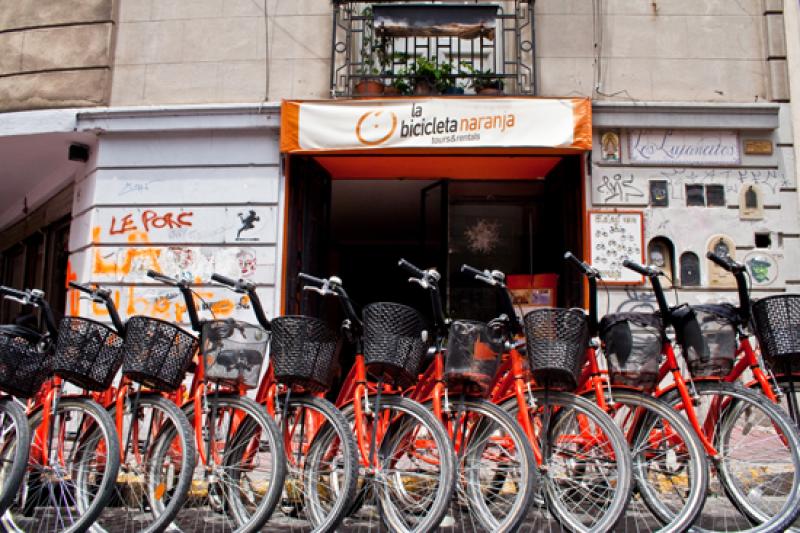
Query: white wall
(174, 200)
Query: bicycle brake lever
(323, 292)
(421, 282)
(23, 301)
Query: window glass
(695, 195)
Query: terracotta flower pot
(368, 88)
(424, 88)
(490, 91)
(391, 90)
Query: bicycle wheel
(153, 483)
(497, 473)
(754, 484)
(586, 463)
(241, 480)
(670, 472)
(15, 443)
(322, 464)
(71, 473)
(790, 402)
(407, 467)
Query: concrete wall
(200, 51)
(157, 196)
(662, 50)
(55, 53)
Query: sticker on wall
(610, 147)
(248, 219)
(762, 267)
(718, 276)
(483, 236)
(613, 237)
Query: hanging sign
(436, 123)
(613, 237)
(684, 147)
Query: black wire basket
(473, 355)
(233, 352)
(157, 353)
(632, 346)
(87, 353)
(777, 327)
(556, 342)
(303, 351)
(394, 342)
(25, 362)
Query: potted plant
(368, 84)
(484, 82)
(448, 83)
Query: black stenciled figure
(248, 222)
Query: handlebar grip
(725, 262)
(405, 265)
(636, 267)
(312, 279)
(582, 266)
(158, 276)
(219, 278)
(81, 287)
(13, 292)
(472, 270)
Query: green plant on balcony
(484, 82)
(371, 58)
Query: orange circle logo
(372, 125)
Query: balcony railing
(447, 46)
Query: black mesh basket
(233, 352)
(24, 362)
(696, 351)
(303, 352)
(473, 355)
(556, 342)
(157, 353)
(393, 342)
(87, 353)
(632, 346)
(777, 326)
(717, 325)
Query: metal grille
(556, 342)
(88, 353)
(303, 351)
(157, 353)
(360, 51)
(393, 341)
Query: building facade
(147, 134)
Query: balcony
(399, 48)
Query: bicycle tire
(304, 466)
(220, 488)
(141, 489)
(658, 473)
(97, 436)
(445, 472)
(743, 401)
(471, 493)
(786, 382)
(14, 447)
(617, 489)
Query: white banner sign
(436, 123)
(684, 147)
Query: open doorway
(359, 228)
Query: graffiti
(619, 188)
(638, 300)
(150, 219)
(733, 179)
(133, 187)
(168, 303)
(248, 223)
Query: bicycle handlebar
(14, 293)
(428, 280)
(185, 288)
(646, 271)
(652, 274)
(408, 267)
(248, 287)
(738, 270)
(316, 281)
(466, 269)
(725, 262)
(592, 275)
(496, 279)
(100, 295)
